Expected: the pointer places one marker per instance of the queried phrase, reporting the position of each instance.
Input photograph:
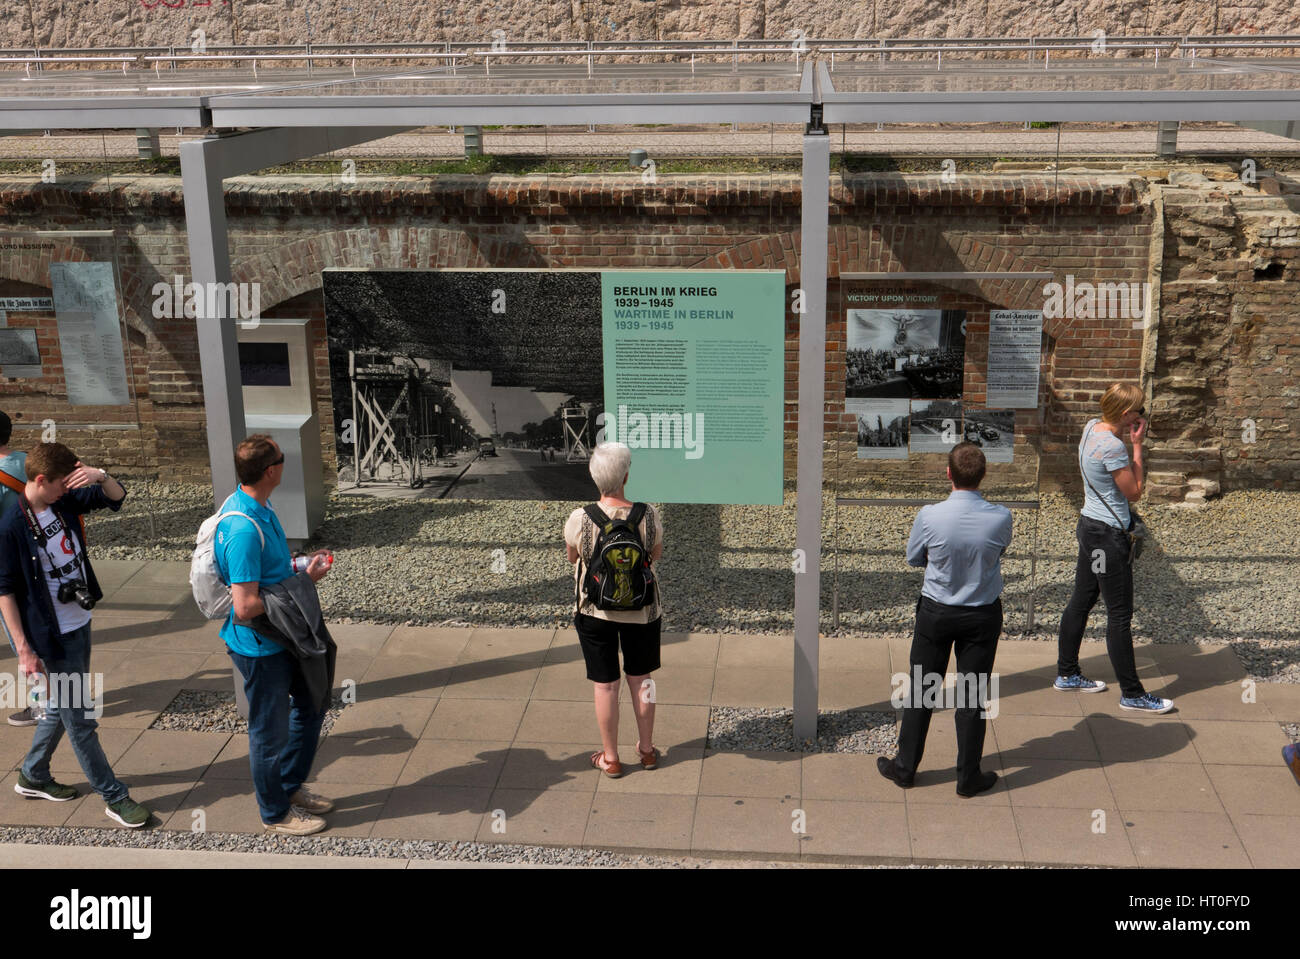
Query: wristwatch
(103, 475)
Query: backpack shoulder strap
(597, 515)
(235, 512)
(636, 515)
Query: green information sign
(694, 367)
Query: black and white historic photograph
(917, 354)
(936, 425)
(18, 348)
(465, 384)
(882, 428)
(994, 431)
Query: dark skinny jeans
(1113, 581)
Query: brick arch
(779, 252)
(294, 269)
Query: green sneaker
(55, 792)
(128, 812)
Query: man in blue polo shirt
(960, 543)
(282, 734)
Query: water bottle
(36, 702)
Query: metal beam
(814, 239)
(223, 397)
(204, 165)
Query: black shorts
(600, 639)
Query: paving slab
(846, 776)
(1256, 790)
(445, 762)
(179, 754)
(558, 767)
(1160, 840)
(1254, 743)
(399, 717)
(631, 822)
(569, 682)
(1176, 787)
(225, 805)
(978, 834)
(752, 686)
(1272, 842)
(360, 637)
(1141, 738)
(773, 774)
(841, 830)
(477, 719)
(536, 817)
(730, 826)
(378, 759)
(515, 645)
(432, 812)
(511, 678)
(1080, 837)
(1059, 784)
(736, 651)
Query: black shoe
(982, 784)
(890, 772)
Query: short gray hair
(609, 464)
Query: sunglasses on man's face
(279, 461)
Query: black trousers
(974, 631)
(1102, 570)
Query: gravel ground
(751, 729)
(1224, 573)
(1292, 730)
(208, 711)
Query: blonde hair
(1119, 399)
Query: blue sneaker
(1146, 703)
(1078, 683)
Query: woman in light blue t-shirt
(1111, 481)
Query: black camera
(76, 591)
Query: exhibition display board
(685, 367)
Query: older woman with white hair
(628, 614)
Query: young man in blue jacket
(47, 589)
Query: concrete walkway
(484, 734)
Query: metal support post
(814, 238)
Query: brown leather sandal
(649, 760)
(611, 768)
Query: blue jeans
(75, 718)
(282, 739)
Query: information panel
(497, 384)
(90, 333)
(695, 381)
(1015, 350)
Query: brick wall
(285, 230)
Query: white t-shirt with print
(61, 560)
(580, 532)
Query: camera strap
(42, 540)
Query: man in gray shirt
(960, 543)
